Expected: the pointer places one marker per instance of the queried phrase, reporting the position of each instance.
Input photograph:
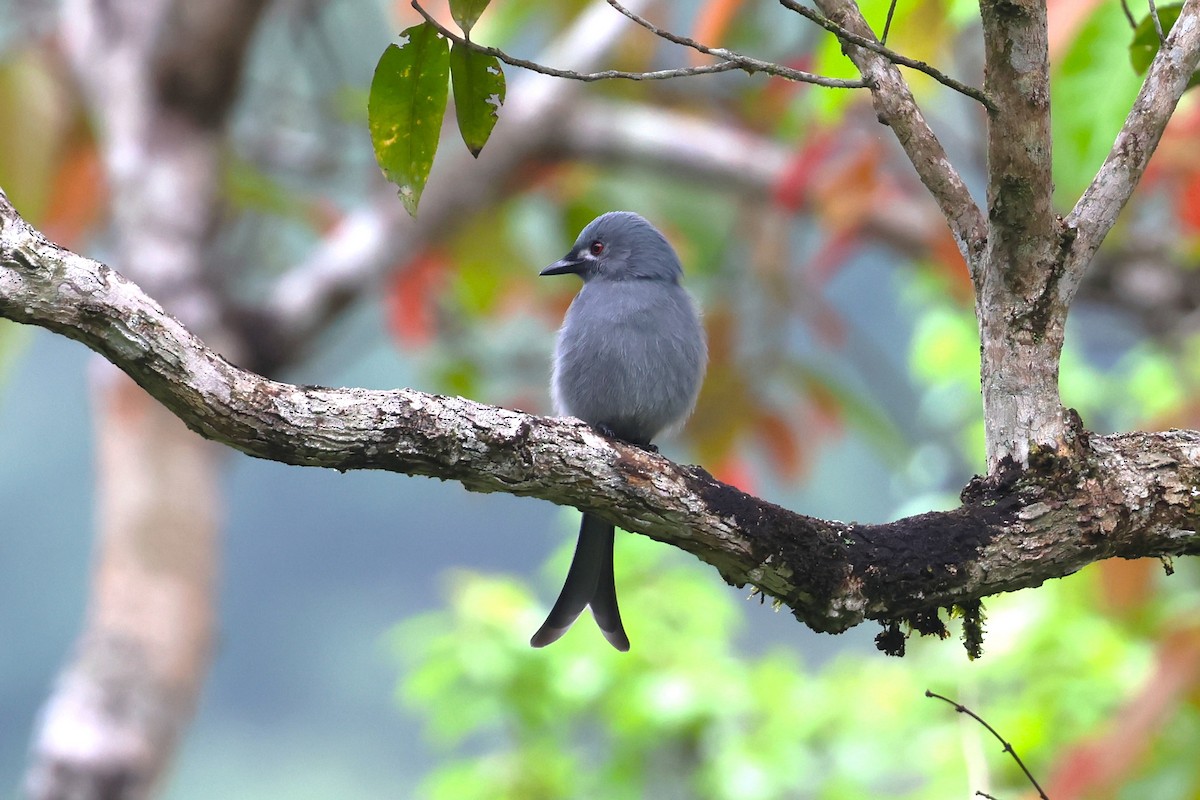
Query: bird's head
(619, 246)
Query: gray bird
(629, 360)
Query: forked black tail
(589, 582)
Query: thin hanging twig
(730, 61)
(1008, 748)
(887, 23)
(1128, 14)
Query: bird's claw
(608, 433)
(605, 431)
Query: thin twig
(1162, 37)
(887, 23)
(1096, 211)
(746, 62)
(357, 253)
(665, 34)
(890, 55)
(731, 61)
(1008, 748)
(1128, 14)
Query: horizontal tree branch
(1127, 495)
(680, 145)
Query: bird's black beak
(565, 266)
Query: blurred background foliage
(1092, 701)
(844, 382)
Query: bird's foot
(605, 431)
(608, 433)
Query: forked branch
(872, 44)
(1129, 495)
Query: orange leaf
(944, 252)
(78, 194)
(1187, 204)
(851, 186)
(712, 24)
(783, 447)
(1064, 19)
(1126, 586)
(412, 297)
(735, 471)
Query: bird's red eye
(597, 248)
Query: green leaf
(466, 12)
(1144, 46)
(1091, 93)
(1145, 42)
(478, 94)
(406, 107)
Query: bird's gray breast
(630, 355)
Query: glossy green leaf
(478, 83)
(1144, 46)
(406, 107)
(466, 13)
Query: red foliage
(734, 470)
(712, 24)
(1187, 202)
(1127, 586)
(1098, 766)
(778, 437)
(794, 185)
(412, 297)
(78, 194)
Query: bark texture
(1131, 495)
(1025, 261)
(159, 78)
(1021, 329)
(110, 726)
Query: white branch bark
(1129, 495)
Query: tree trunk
(120, 706)
(159, 77)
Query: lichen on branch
(1129, 495)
